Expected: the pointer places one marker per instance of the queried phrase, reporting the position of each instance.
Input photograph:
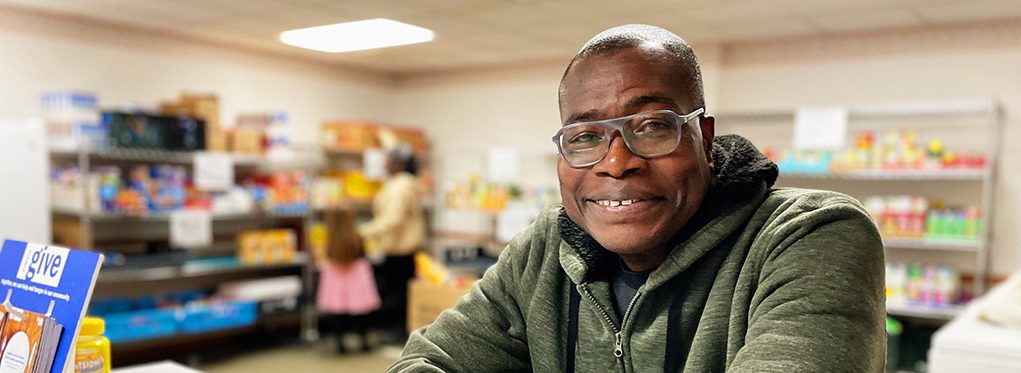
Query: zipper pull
(618, 348)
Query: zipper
(618, 337)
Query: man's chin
(626, 243)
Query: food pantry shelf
(924, 311)
(932, 244)
(165, 216)
(195, 274)
(878, 175)
(155, 156)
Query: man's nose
(619, 161)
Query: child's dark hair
(343, 244)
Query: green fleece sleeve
(820, 304)
(484, 332)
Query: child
(347, 290)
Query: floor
(304, 357)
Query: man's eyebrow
(655, 97)
(581, 117)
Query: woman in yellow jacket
(398, 230)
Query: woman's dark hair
(403, 155)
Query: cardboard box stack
(350, 136)
(201, 106)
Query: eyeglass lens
(646, 134)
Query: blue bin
(203, 317)
(138, 325)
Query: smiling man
(672, 251)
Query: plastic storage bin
(136, 325)
(202, 317)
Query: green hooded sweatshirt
(760, 280)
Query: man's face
(668, 189)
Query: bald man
(672, 251)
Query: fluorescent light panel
(356, 36)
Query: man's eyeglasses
(648, 134)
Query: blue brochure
(37, 277)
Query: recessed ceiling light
(356, 36)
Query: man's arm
(820, 303)
(485, 332)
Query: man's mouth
(624, 205)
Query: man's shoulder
(809, 199)
(791, 208)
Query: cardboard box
(248, 141)
(426, 301)
(350, 136)
(201, 106)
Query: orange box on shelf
(248, 141)
(350, 135)
(414, 137)
(272, 246)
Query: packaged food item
(92, 351)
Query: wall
(950, 63)
(44, 53)
(517, 106)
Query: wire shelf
(933, 244)
(881, 175)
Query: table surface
(165, 366)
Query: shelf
(924, 311)
(343, 152)
(188, 340)
(165, 216)
(893, 175)
(932, 244)
(113, 282)
(155, 156)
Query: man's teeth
(610, 203)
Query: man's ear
(708, 125)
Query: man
(671, 251)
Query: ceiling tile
(969, 11)
(472, 33)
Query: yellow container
(92, 352)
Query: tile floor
(304, 357)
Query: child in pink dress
(347, 292)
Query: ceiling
(478, 33)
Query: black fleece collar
(740, 171)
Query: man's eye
(587, 138)
(655, 127)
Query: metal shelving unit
(924, 311)
(116, 282)
(988, 112)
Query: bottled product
(92, 352)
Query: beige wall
(981, 62)
(42, 54)
(967, 62)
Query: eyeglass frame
(617, 125)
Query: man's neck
(644, 262)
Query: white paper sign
(214, 171)
(503, 164)
(820, 128)
(191, 228)
(515, 219)
(374, 164)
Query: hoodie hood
(740, 173)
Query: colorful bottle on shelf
(92, 351)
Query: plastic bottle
(92, 352)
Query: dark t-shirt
(625, 286)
